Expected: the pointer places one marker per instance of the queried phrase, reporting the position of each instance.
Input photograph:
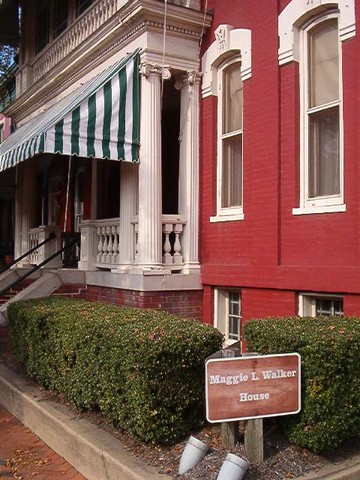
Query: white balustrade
(34, 242)
(108, 242)
(37, 236)
(82, 28)
(172, 229)
(77, 33)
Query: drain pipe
(233, 468)
(193, 453)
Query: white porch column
(150, 192)
(189, 168)
(128, 208)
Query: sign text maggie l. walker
(252, 386)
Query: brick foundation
(186, 304)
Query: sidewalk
(90, 450)
(24, 456)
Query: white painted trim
(323, 203)
(311, 297)
(231, 213)
(298, 11)
(227, 218)
(323, 209)
(229, 41)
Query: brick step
(15, 290)
(75, 290)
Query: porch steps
(15, 290)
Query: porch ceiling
(100, 119)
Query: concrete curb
(347, 470)
(95, 453)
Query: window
(321, 116)
(230, 141)
(311, 305)
(226, 66)
(43, 15)
(82, 5)
(51, 21)
(228, 314)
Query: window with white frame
(228, 314)
(312, 305)
(230, 141)
(321, 115)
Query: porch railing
(100, 240)
(41, 251)
(172, 229)
(77, 33)
(108, 243)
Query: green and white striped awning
(100, 119)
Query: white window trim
(330, 203)
(298, 11)
(218, 292)
(303, 297)
(234, 212)
(234, 43)
(229, 42)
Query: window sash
(231, 185)
(227, 313)
(311, 305)
(321, 126)
(324, 153)
(230, 140)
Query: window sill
(319, 209)
(227, 218)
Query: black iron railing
(68, 246)
(29, 252)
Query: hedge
(330, 354)
(144, 369)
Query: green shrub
(330, 354)
(144, 369)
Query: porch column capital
(191, 78)
(147, 69)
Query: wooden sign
(252, 387)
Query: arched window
(230, 134)
(312, 33)
(321, 113)
(226, 66)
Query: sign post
(252, 387)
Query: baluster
(177, 245)
(115, 234)
(105, 245)
(100, 245)
(136, 241)
(109, 245)
(167, 229)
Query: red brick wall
(186, 304)
(272, 254)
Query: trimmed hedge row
(330, 353)
(144, 369)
